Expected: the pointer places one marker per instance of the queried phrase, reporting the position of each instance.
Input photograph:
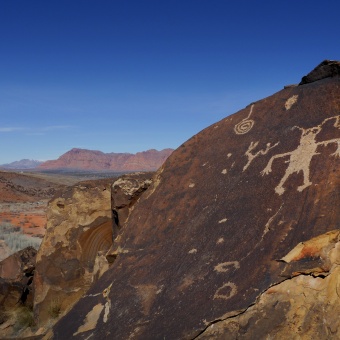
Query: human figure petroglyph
(251, 156)
(245, 125)
(301, 157)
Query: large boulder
(16, 275)
(78, 233)
(83, 222)
(213, 233)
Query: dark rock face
(126, 191)
(207, 238)
(328, 68)
(16, 275)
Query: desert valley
(26, 187)
(234, 235)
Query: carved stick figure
(301, 157)
(251, 156)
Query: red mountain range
(82, 159)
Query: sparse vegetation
(54, 308)
(24, 318)
(15, 239)
(21, 316)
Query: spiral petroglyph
(245, 125)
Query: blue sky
(127, 76)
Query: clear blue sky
(131, 75)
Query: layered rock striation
(210, 237)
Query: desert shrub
(15, 239)
(24, 318)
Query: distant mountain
(82, 159)
(21, 165)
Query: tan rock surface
(82, 224)
(79, 226)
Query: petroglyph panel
(301, 157)
(245, 125)
(291, 101)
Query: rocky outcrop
(16, 275)
(328, 68)
(212, 232)
(306, 304)
(82, 224)
(79, 226)
(82, 159)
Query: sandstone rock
(80, 231)
(16, 274)
(214, 230)
(79, 227)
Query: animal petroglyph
(245, 125)
(227, 291)
(251, 156)
(301, 157)
(291, 101)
